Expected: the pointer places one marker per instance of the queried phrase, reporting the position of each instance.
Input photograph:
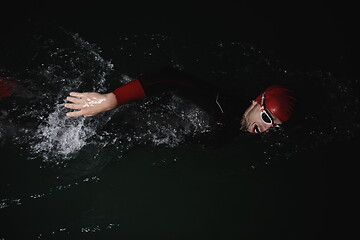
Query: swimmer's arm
(155, 83)
(92, 103)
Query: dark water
(132, 173)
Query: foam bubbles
(61, 136)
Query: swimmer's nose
(264, 127)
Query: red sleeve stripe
(7, 88)
(129, 92)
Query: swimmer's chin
(250, 128)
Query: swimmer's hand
(90, 103)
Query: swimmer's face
(252, 122)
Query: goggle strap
(263, 99)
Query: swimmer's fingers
(74, 106)
(76, 114)
(74, 100)
(76, 94)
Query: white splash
(62, 136)
(70, 66)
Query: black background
(310, 35)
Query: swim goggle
(265, 114)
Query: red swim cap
(279, 101)
(7, 88)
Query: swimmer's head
(271, 108)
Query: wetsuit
(7, 88)
(224, 108)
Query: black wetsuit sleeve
(186, 85)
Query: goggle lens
(266, 118)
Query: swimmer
(269, 109)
